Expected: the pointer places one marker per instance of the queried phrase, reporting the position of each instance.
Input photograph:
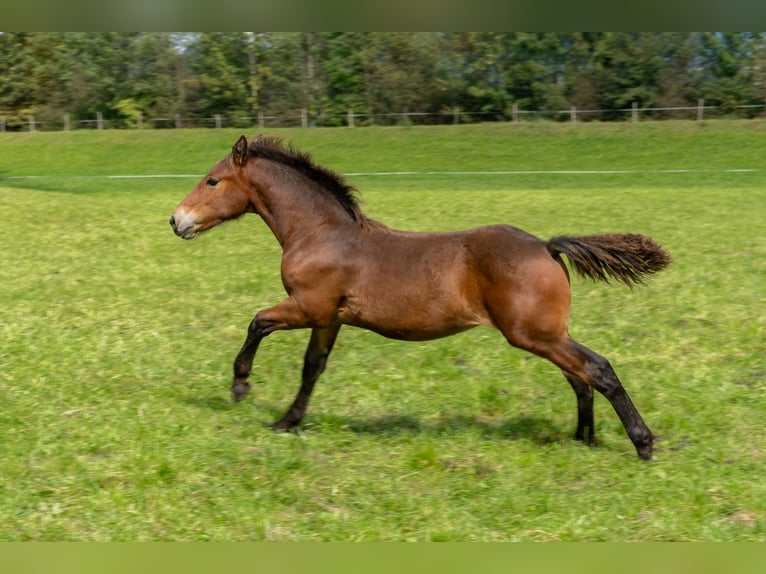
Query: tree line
(486, 75)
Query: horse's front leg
(284, 315)
(319, 348)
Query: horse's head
(219, 196)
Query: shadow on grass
(535, 429)
(214, 403)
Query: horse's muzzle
(183, 227)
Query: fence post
(66, 122)
(100, 120)
(456, 115)
(217, 120)
(139, 120)
(700, 109)
(2, 124)
(304, 118)
(635, 112)
(350, 121)
(178, 121)
(573, 114)
(515, 112)
(260, 119)
(31, 123)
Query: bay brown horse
(341, 268)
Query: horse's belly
(410, 319)
(405, 332)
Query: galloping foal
(341, 268)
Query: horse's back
(497, 252)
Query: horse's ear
(240, 151)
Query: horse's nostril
(172, 222)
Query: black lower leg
(318, 350)
(243, 364)
(606, 382)
(585, 430)
(297, 410)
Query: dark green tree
(218, 82)
(377, 74)
(726, 72)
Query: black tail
(627, 257)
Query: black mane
(271, 148)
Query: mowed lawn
(117, 341)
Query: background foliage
(239, 74)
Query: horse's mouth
(184, 226)
(188, 233)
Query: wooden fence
(303, 118)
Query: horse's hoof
(240, 390)
(586, 437)
(282, 426)
(645, 452)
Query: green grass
(117, 342)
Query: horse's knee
(260, 326)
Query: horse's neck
(292, 207)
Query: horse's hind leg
(585, 432)
(591, 368)
(584, 367)
(604, 380)
(318, 350)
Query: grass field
(117, 342)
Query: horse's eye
(212, 182)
